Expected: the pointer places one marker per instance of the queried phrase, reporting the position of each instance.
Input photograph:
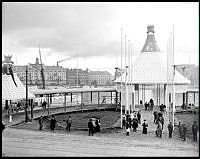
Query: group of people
(53, 123)
(131, 121)
(94, 126)
(183, 131)
(149, 106)
(159, 120)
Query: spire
(150, 44)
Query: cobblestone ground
(20, 142)
(23, 142)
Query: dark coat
(135, 123)
(53, 124)
(145, 125)
(170, 127)
(90, 125)
(138, 116)
(194, 128)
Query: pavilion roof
(12, 92)
(149, 69)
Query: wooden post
(111, 97)
(98, 100)
(186, 99)
(116, 94)
(71, 98)
(81, 101)
(138, 94)
(48, 104)
(31, 108)
(91, 97)
(10, 112)
(164, 93)
(65, 105)
(26, 113)
(144, 95)
(50, 98)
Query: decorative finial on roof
(150, 43)
(150, 28)
(7, 59)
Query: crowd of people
(149, 106)
(131, 121)
(94, 125)
(183, 131)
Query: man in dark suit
(90, 127)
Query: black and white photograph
(100, 79)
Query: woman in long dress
(145, 125)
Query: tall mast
(42, 71)
(174, 95)
(121, 73)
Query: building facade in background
(74, 75)
(100, 78)
(57, 75)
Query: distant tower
(150, 44)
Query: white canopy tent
(12, 92)
(149, 70)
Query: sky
(89, 33)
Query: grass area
(79, 120)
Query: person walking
(127, 129)
(44, 104)
(170, 129)
(184, 132)
(97, 122)
(155, 114)
(145, 125)
(53, 123)
(124, 122)
(69, 123)
(159, 130)
(194, 131)
(180, 128)
(90, 127)
(40, 122)
(135, 124)
(146, 105)
(162, 121)
(139, 117)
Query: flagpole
(132, 91)
(173, 81)
(125, 79)
(167, 87)
(128, 84)
(121, 74)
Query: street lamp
(26, 106)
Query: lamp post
(26, 106)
